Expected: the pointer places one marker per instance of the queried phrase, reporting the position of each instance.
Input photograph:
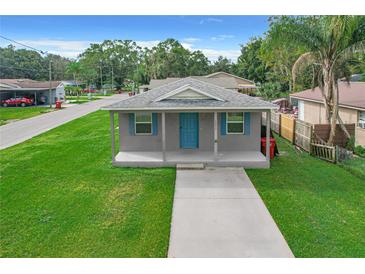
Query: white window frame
(361, 118)
(236, 122)
(135, 123)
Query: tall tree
(168, 59)
(198, 63)
(115, 60)
(249, 64)
(23, 63)
(222, 64)
(331, 43)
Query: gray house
(189, 121)
(222, 79)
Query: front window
(143, 123)
(235, 123)
(362, 119)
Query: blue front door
(189, 130)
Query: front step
(190, 166)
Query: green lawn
(356, 166)
(60, 197)
(82, 99)
(19, 113)
(318, 206)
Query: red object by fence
(58, 104)
(272, 146)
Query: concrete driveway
(217, 212)
(17, 132)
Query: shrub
(350, 144)
(360, 151)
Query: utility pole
(50, 83)
(101, 76)
(112, 79)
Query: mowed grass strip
(318, 206)
(60, 197)
(19, 113)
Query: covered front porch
(164, 148)
(252, 159)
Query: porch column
(268, 124)
(112, 134)
(215, 135)
(163, 136)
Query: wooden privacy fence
(303, 134)
(275, 121)
(323, 132)
(287, 127)
(309, 137)
(320, 149)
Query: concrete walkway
(217, 212)
(17, 132)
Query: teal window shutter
(247, 123)
(131, 123)
(154, 124)
(223, 124)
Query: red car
(20, 101)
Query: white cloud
(191, 40)
(72, 48)
(188, 46)
(222, 37)
(66, 48)
(210, 20)
(213, 54)
(148, 44)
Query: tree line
(268, 60)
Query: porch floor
(225, 158)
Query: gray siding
(229, 142)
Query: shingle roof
(230, 99)
(28, 83)
(223, 74)
(222, 79)
(350, 95)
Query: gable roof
(229, 99)
(226, 74)
(350, 95)
(19, 84)
(222, 79)
(193, 93)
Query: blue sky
(70, 35)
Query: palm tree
(332, 43)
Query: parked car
(89, 91)
(21, 101)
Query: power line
(24, 45)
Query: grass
(318, 206)
(18, 113)
(355, 166)
(82, 99)
(60, 197)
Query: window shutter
(154, 124)
(223, 124)
(131, 123)
(247, 123)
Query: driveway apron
(217, 212)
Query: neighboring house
(37, 90)
(351, 107)
(190, 121)
(222, 79)
(71, 83)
